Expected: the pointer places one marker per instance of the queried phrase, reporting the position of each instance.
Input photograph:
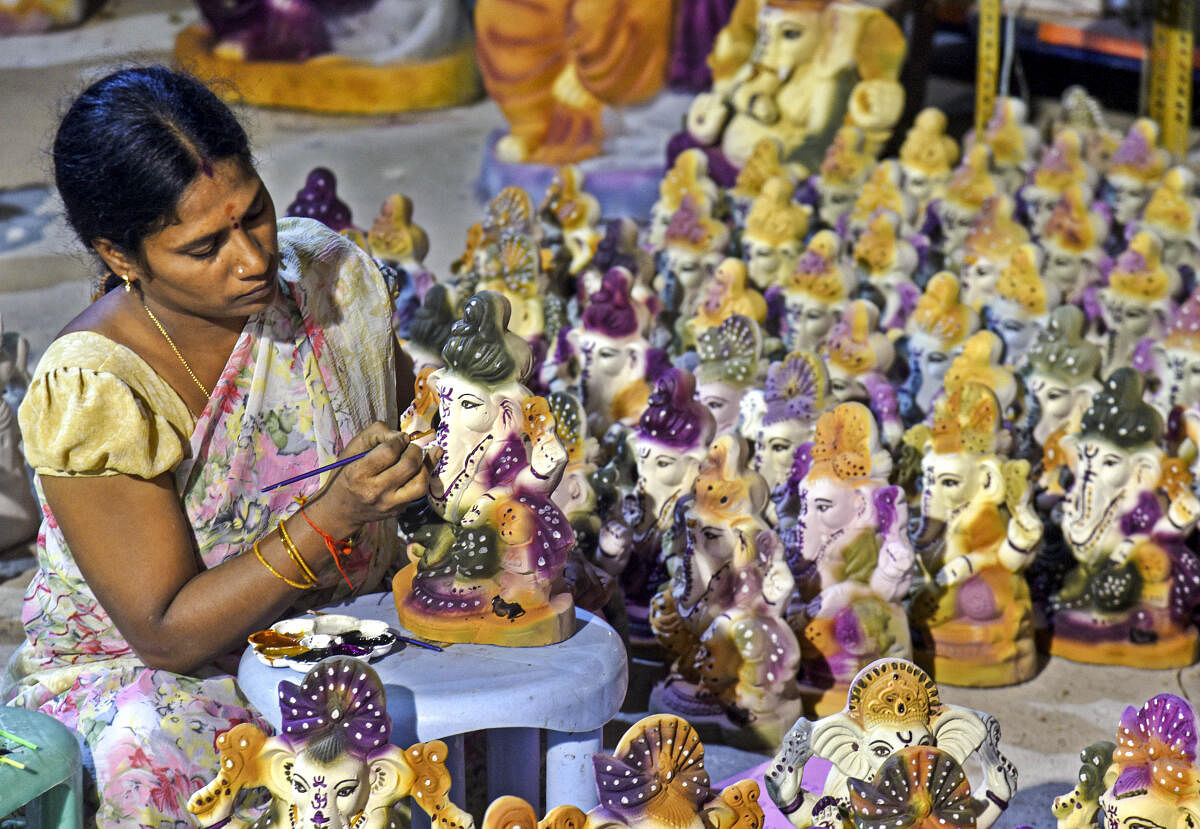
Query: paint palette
(302, 642)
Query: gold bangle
(279, 575)
(295, 553)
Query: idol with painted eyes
(892, 706)
(400, 245)
(688, 176)
(950, 218)
(1061, 375)
(882, 191)
(843, 172)
(430, 328)
(1061, 166)
(936, 330)
(730, 358)
(927, 158)
(501, 541)
(721, 616)
(1073, 241)
(1134, 170)
(610, 350)
(850, 526)
(988, 248)
(888, 263)
(1155, 778)
(1173, 213)
(973, 614)
(773, 238)
(1178, 362)
(1020, 310)
(795, 393)
(1012, 141)
(694, 245)
(815, 294)
(726, 295)
(859, 356)
(1136, 304)
(1136, 584)
(570, 218)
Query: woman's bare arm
(132, 542)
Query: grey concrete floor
(433, 158)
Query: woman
(228, 353)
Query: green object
(51, 784)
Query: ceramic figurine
(815, 294)
(815, 66)
(1131, 597)
(841, 176)
(882, 191)
(927, 158)
(1178, 363)
(918, 786)
(721, 616)
(938, 326)
(843, 518)
(400, 246)
(572, 215)
(694, 245)
(980, 362)
(1134, 171)
(1012, 141)
(1061, 166)
(730, 356)
(688, 176)
(1136, 304)
(655, 779)
(332, 764)
(42, 15)
(1082, 113)
(773, 237)
(725, 295)
(511, 267)
(887, 262)
(430, 328)
(488, 570)
(553, 69)
(763, 165)
(954, 214)
(795, 393)
(859, 356)
(1073, 240)
(972, 609)
(1173, 213)
(1157, 779)
(318, 199)
(612, 350)
(1021, 305)
(669, 444)
(892, 705)
(989, 246)
(1077, 808)
(1061, 374)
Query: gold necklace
(170, 342)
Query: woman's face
(219, 257)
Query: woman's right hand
(393, 473)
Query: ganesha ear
(1189, 813)
(275, 765)
(390, 778)
(1146, 468)
(959, 731)
(841, 741)
(991, 481)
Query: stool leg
(515, 764)
(58, 808)
(570, 777)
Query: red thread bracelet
(336, 548)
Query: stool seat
(51, 784)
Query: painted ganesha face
(464, 404)
(775, 449)
(829, 515)
(328, 794)
(1182, 381)
(885, 739)
(951, 484)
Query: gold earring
(128, 282)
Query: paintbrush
(334, 465)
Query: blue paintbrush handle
(316, 471)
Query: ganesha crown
(892, 691)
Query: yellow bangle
(279, 575)
(295, 554)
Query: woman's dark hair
(129, 146)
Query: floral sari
(306, 375)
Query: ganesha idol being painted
(489, 570)
(1136, 586)
(972, 611)
(842, 519)
(859, 356)
(721, 616)
(611, 352)
(730, 356)
(892, 708)
(815, 294)
(935, 333)
(887, 262)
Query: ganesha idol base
(713, 723)
(1143, 638)
(495, 623)
(982, 642)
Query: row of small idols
(894, 756)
